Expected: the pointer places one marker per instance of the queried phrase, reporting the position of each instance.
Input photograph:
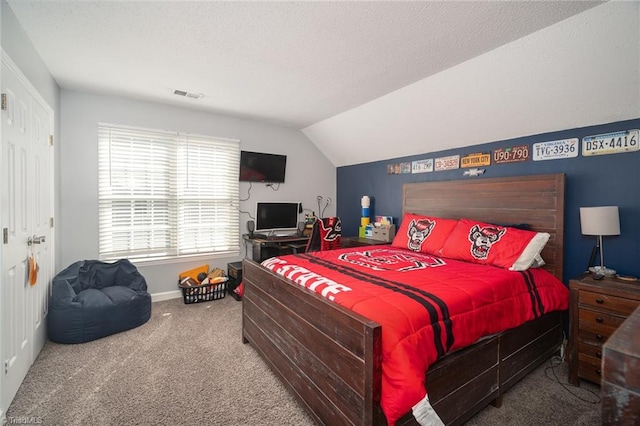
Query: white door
(25, 208)
(42, 207)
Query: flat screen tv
(262, 167)
(277, 218)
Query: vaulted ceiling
(294, 64)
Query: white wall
(23, 54)
(582, 71)
(309, 173)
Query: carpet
(188, 366)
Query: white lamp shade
(600, 220)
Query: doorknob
(35, 240)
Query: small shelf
(264, 248)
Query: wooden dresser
(597, 308)
(621, 374)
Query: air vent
(188, 94)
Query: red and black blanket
(427, 306)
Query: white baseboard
(159, 297)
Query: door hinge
(50, 140)
(6, 367)
(3, 101)
(5, 236)
(51, 222)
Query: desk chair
(326, 234)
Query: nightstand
(596, 309)
(360, 242)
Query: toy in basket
(199, 285)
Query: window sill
(184, 258)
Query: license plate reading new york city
(611, 143)
(551, 150)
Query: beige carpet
(188, 366)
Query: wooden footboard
(329, 357)
(463, 383)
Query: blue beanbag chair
(92, 299)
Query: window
(166, 194)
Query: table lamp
(600, 221)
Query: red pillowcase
(423, 233)
(485, 243)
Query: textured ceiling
(288, 63)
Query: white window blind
(166, 194)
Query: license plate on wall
(513, 154)
(611, 143)
(447, 163)
(553, 150)
(422, 166)
(477, 159)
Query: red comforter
(427, 306)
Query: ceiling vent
(188, 94)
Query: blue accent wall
(600, 180)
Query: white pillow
(530, 256)
(538, 261)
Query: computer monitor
(277, 218)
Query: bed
(330, 357)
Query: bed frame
(330, 357)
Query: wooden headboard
(537, 200)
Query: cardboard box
(193, 273)
(384, 233)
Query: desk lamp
(599, 221)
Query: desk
(264, 248)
